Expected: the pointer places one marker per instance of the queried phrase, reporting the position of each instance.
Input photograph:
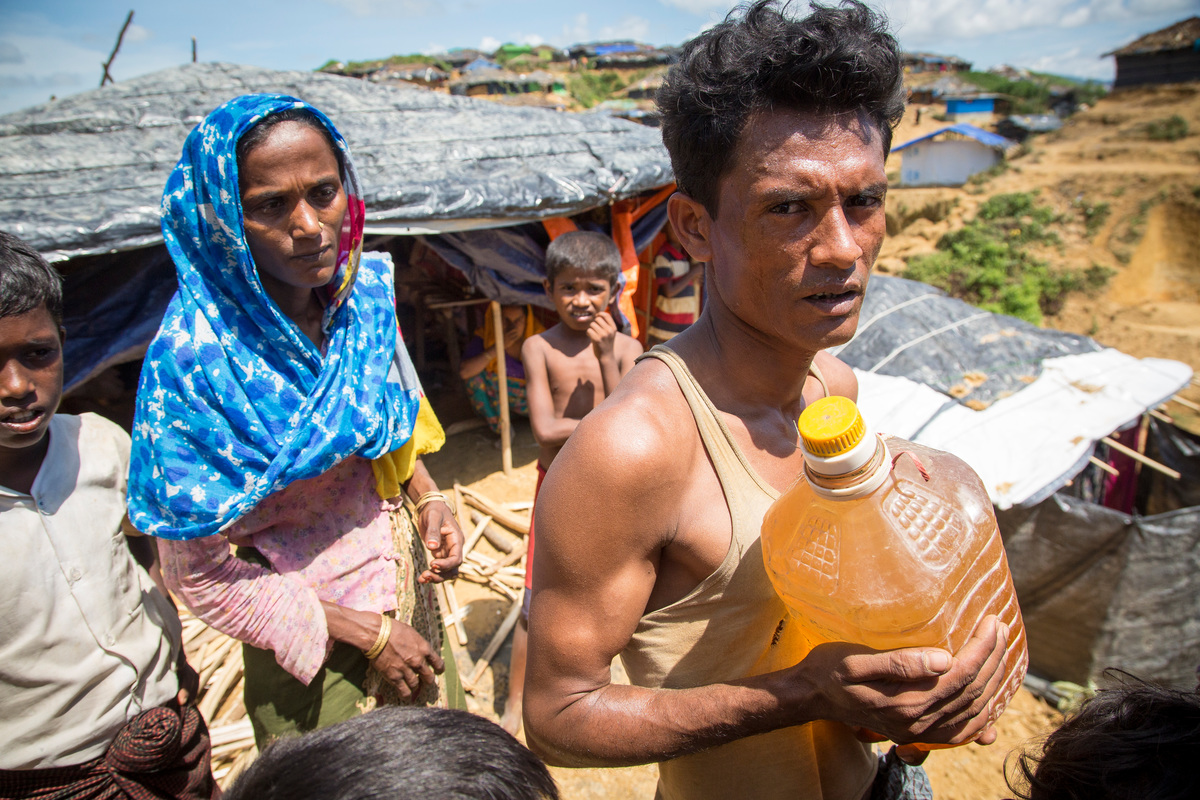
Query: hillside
(1126, 199)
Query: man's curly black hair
(836, 60)
(1136, 741)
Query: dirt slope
(1145, 191)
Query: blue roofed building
(970, 108)
(950, 156)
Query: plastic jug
(889, 544)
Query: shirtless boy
(648, 525)
(569, 370)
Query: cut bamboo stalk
(1185, 404)
(498, 512)
(1136, 456)
(511, 558)
(223, 681)
(502, 388)
(450, 598)
(1109, 468)
(460, 511)
(503, 589)
(1161, 417)
(493, 647)
(480, 560)
(473, 539)
(500, 539)
(520, 505)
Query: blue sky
(56, 47)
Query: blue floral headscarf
(235, 402)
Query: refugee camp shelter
(1170, 55)
(83, 178)
(950, 156)
(932, 62)
(1104, 548)
(970, 107)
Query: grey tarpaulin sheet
(913, 330)
(84, 174)
(1099, 588)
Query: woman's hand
(440, 532)
(407, 660)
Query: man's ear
(692, 224)
(546, 285)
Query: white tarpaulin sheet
(1029, 444)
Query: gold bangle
(430, 497)
(385, 633)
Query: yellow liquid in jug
(914, 563)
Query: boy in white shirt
(93, 683)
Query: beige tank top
(732, 625)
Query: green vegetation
(1169, 129)
(591, 88)
(1094, 215)
(988, 262)
(390, 61)
(1033, 95)
(994, 171)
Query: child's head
(31, 368)
(586, 252)
(1134, 741)
(582, 272)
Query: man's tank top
(732, 625)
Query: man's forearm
(620, 725)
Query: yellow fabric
(532, 328)
(394, 468)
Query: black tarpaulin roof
(84, 174)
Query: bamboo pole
(474, 537)
(1185, 403)
(502, 388)
(493, 647)
(451, 597)
(508, 519)
(1136, 456)
(1109, 468)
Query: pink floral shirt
(327, 538)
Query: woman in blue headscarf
(278, 411)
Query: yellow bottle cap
(831, 426)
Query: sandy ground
(473, 459)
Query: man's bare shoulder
(635, 432)
(838, 375)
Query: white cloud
(577, 30)
(919, 21)
(136, 33)
(1074, 63)
(489, 44)
(701, 7)
(383, 8)
(632, 27)
(531, 39)
(10, 54)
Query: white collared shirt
(87, 642)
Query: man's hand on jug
(917, 694)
